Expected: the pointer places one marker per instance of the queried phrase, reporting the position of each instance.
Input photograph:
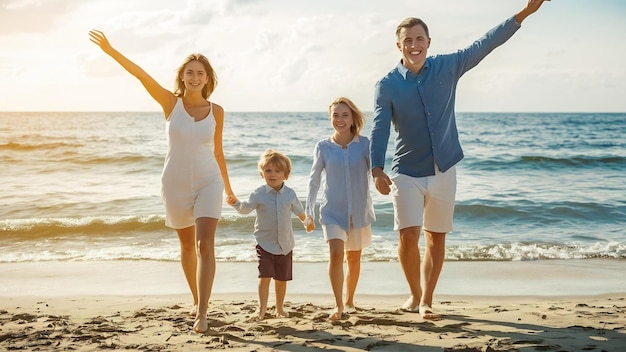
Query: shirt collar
(354, 140)
(406, 72)
(269, 188)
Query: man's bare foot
(201, 325)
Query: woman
(194, 176)
(346, 211)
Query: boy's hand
(309, 224)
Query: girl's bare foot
(262, 311)
(411, 305)
(350, 308)
(336, 314)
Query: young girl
(194, 176)
(274, 202)
(346, 211)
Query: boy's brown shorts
(278, 267)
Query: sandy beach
(143, 306)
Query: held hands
(381, 181)
(231, 199)
(309, 224)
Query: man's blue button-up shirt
(421, 108)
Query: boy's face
(273, 176)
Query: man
(418, 97)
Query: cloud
(266, 40)
(32, 16)
(293, 70)
(10, 71)
(285, 55)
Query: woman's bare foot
(201, 325)
(427, 313)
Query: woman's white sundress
(191, 182)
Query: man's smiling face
(413, 43)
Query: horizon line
(309, 111)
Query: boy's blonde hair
(358, 120)
(277, 158)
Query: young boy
(274, 202)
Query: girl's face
(273, 176)
(341, 118)
(194, 76)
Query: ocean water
(84, 186)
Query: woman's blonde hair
(179, 86)
(279, 159)
(358, 120)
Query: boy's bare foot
(194, 310)
(261, 315)
(281, 314)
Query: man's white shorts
(424, 201)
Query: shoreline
(528, 278)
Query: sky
(296, 55)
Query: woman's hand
(231, 199)
(100, 40)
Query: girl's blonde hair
(358, 120)
(279, 159)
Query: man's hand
(531, 7)
(381, 181)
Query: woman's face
(194, 76)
